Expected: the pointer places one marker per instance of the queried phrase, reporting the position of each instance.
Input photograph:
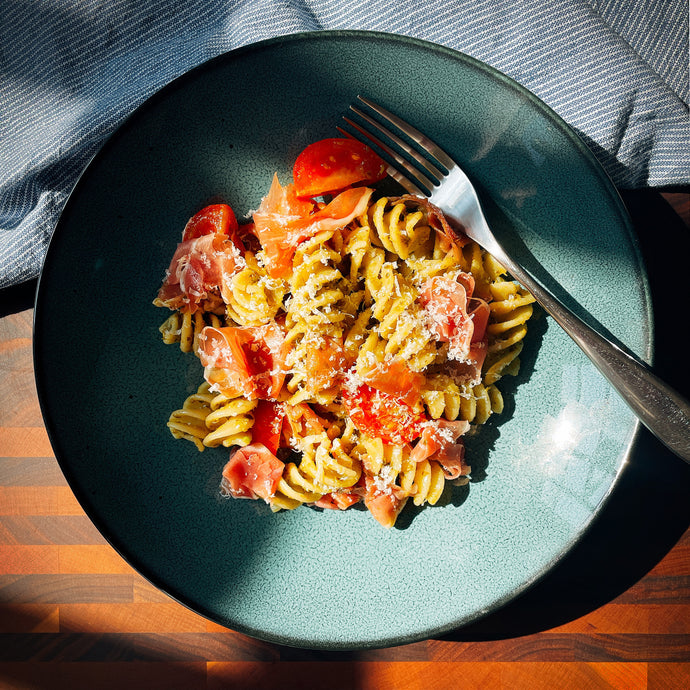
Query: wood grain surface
(614, 614)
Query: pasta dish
(349, 339)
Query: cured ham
(247, 361)
(252, 472)
(457, 318)
(439, 441)
(338, 500)
(302, 421)
(394, 377)
(384, 501)
(445, 302)
(324, 363)
(197, 271)
(479, 312)
(283, 220)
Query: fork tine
(427, 144)
(403, 181)
(422, 162)
(413, 177)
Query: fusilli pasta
(211, 419)
(375, 337)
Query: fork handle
(658, 406)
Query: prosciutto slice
(252, 472)
(445, 302)
(246, 361)
(197, 270)
(439, 441)
(455, 317)
(282, 221)
(394, 376)
(384, 501)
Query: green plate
(107, 384)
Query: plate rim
(111, 140)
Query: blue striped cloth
(71, 70)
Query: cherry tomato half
(382, 415)
(268, 424)
(216, 219)
(331, 165)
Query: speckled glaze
(107, 383)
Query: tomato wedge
(381, 415)
(216, 219)
(330, 165)
(268, 424)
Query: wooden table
(614, 614)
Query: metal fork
(660, 408)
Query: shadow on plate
(642, 521)
(479, 446)
(649, 511)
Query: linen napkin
(72, 70)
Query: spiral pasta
(327, 466)
(294, 489)
(474, 403)
(184, 328)
(319, 310)
(400, 328)
(327, 463)
(428, 484)
(209, 419)
(400, 231)
(442, 397)
(189, 422)
(229, 422)
(422, 481)
(317, 287)
(479, 402)
(376, 342)
(511, 309)
(252, 297)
